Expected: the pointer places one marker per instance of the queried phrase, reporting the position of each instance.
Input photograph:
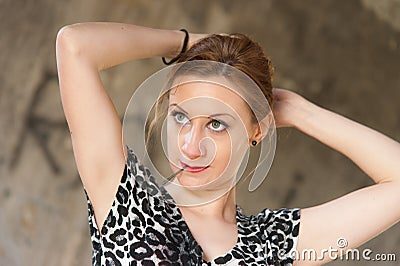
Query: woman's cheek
(223, 154)
(173, 150)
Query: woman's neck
(205, 203)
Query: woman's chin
(192, 182)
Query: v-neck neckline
(239, 216)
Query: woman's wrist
(303, 112)
(179, 37)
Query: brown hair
(236, 50)
(239, 51)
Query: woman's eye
(217, 125)
(181, 118)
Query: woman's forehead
(205, 95)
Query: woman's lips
(193, 169)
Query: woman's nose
(191, 147)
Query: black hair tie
(185, 43)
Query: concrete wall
(343, 55)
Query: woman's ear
(263, 127)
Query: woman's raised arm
(83, 50)
(360, 215)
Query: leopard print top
(146, 227)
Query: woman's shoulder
(282, 214)
(285, 221)
(130, 156)
(135, 167)
(272, 221)
(268, 216)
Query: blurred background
(342, 55)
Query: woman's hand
(288, 107)
(195, 37)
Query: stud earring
(254, 143)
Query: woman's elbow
(67, 41)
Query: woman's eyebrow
(211, 116)
(221, 114)
(177, 106)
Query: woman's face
(209, 129)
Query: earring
(254, 143)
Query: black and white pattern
(145, 227)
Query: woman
(131, 225)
